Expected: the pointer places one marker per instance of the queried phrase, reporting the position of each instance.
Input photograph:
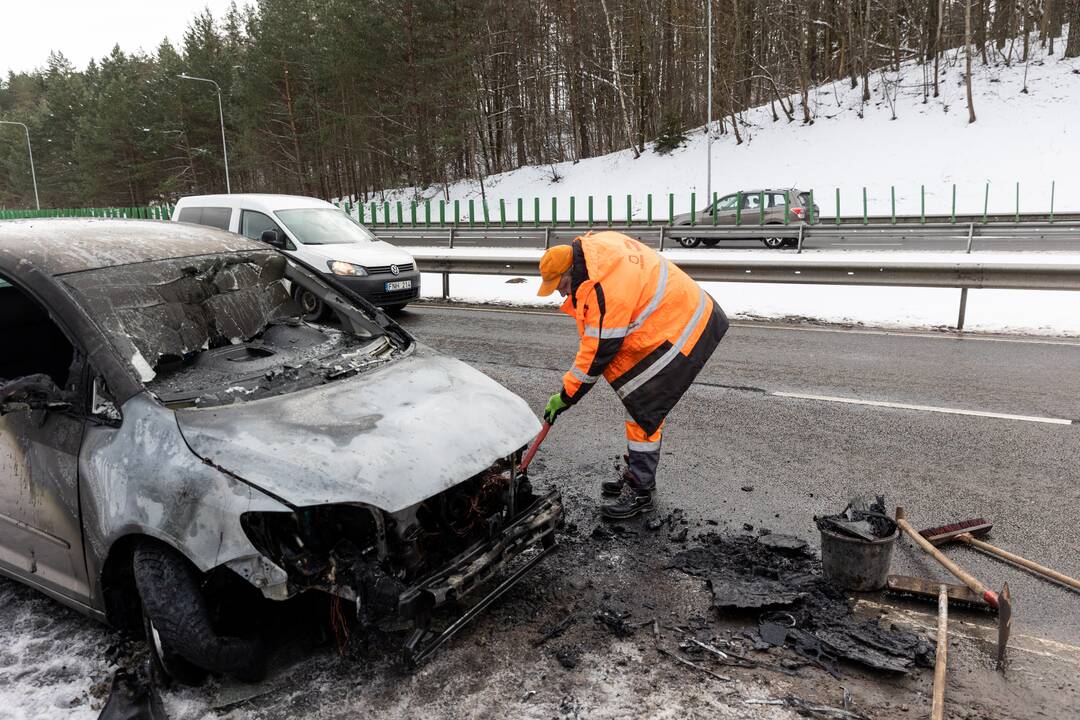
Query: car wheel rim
(308, 303)
(774, 242)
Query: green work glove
(554, 407)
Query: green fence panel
(810, 211)
(427, 213)
(670, 207)
(648, 209)
(442, 212)
(502, 213)
(609, 222)
(457, 212)
(865, 216)
(472, 211)
(837, 206)
(386, 213)
(761, 208)
(738, 208)
(787, 210)
(536, 212)
(571, 211)
(520, 207)
(554, 211)
(629, 209)
(484, 207)
(360, 213)
(712, 207)
(693, 209)
(590, 211)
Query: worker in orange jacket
(648, 328)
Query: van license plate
(399, 285)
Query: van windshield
(324, 226)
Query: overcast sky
(85, 29)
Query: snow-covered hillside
(1031, 138)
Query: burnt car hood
(390, 438)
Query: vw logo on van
(394, 270)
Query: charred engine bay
(286, 357)
(370, 557)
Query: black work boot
(631, 502)
(612, 488)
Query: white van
(317, 233)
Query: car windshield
(324, 226)
(205, 328)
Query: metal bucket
(854, 563)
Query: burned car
(172, 432)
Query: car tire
(178, 621)
(773, 243)
(395, 309)
(312, 308)
(688, 242)
(167, 664)
(710, 242)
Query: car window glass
(209, 216)
(324, 226)
(775, 200)
(804, 198)
(253, 224)
(727, 203)
(216, 217)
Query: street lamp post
(221, 116)
(30, 150)
(708, 113)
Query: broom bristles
(974, 526)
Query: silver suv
(750, 208)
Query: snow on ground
(1027, 138)
(998, 311)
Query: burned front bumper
(534, 528)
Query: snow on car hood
(390, 438)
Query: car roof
(254, 201)
(57, 246)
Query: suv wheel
(773, 243)
(689, 242)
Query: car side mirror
(33, 392)
(273, 237)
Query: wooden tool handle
(937, 710)
(989, 595)
(1023, 562)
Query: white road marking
(924, 408)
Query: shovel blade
(1004, 623)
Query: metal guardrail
(969, 235)
(963, 274)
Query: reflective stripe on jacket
(645, 325)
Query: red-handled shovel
(533, 448)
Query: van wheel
(178, 623)
(311, 307)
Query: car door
(40, 527)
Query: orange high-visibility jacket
(645, 325)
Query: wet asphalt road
(803, 457)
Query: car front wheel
(178, 626)
(311, 306)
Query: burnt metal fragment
(743, 573)
(860, 520)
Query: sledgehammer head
(1004, 623)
